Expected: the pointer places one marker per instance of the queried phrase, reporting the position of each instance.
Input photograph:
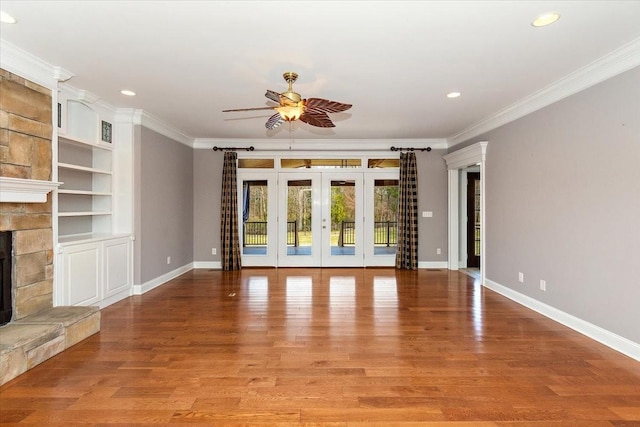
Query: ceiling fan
(292, 107)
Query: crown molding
(142, 118)
(24, 64)
(616, 62)
(320, 144)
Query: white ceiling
(394, 61)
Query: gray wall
(432, 196)
(563, 205)
(207, 174)
(432, 188)
(164, 204)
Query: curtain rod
(233, 148)
(409, 149)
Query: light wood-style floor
(335, 347)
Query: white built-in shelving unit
(94, 258)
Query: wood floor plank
(327, 347)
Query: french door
(320, 219)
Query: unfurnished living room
(320, 213)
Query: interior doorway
(457, 161)
(473, 220)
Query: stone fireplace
(36, 330)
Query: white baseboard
(160, 280)
(616, 342)
(433, 264)
(215, 265)
(115, 298)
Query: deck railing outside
(384, 233)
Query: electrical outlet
(168, 260)
(543, 285)
(521, 277)
(438, 251)
(214, 251)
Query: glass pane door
(342, 219)
(381, 219)
(257, 202)
(299, 224)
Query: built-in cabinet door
(82, 278)
(117, 266)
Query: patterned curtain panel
(230, 239)
(407, 253)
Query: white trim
(142, 118)
(215, 265)
(18, 190)
(126, 293)
(610, 65)
(18, 61)
(433, 264)
(462, 158)
(319, 144)
(603, 336)
(161, 280)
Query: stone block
(21, 100)
(13, 362)
(27, 126)
(41, 162)
(45, 351)
(40, 207)
(4, 152)
(19, 343)
(33, 298)
(79, 322)
(28, 241)
(28, 336)
(20, 149)
(14, 171)
(6, 208)
(29, 221)
(30, 268)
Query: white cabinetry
(96, 272)
(94, 259)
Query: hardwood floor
(335, 347)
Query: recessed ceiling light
(546, 19)
(453, 94)
(6, 18)
(128, 92)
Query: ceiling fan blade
(325, 105)
(274, 121)
(248, 109)
(317, 119)
(272, 95)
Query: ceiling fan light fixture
(545, 19)
(290, 113)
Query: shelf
(88, 213)
(83, 143)
(85, 193)
(88, 237)
(83, 168)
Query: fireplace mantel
(18, 190)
